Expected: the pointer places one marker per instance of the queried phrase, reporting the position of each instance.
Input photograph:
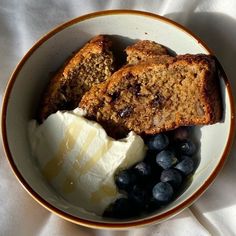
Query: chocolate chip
(100, 104)
(135, 89)
(125, 112)
(114, 95)
(129, 75)
(158, 101)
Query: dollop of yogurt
(79, 159)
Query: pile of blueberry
(159, 178)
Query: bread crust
(143, 50)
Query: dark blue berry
(172, 149)
(138, 194)
(121, 208)
(150, 157)
(181, 134)
(187, 148)
(152, 205)
(158, 142)
(186, 166)
(162, 192)
(125, 179)
(142, 169)
(166, 159)
(172, 176)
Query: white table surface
(22, 23)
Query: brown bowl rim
(112, 225)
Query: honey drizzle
(53, 167)
(104, 191)
(96, 157)
(68, 185)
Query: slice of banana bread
(154, 96)
(143, 50)
(92, 64)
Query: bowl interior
(34, 72)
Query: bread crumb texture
(157, 95)
(92, 64)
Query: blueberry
(158, 142)
(172, 148)
(150, 157)
(152, 205)
(125, 179)
(166, 159)
(182, 133)
(186, 166)
(187, 148)
(121, 208)
(172, 176)
(108, 212)
(138, 195)
(162, 192)
(142, 169)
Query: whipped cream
(79, 159)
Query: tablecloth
(23, 22)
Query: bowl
(33, 73)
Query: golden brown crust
(96, 45)
(143, 50)
(157, 95)
(90, 65)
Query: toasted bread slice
(155, 96)
(92, 64)
(144, 50)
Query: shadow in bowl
(195, 136)
(224, 47)
(120, 43)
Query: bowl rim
(111, 225)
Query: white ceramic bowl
(33, 72)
